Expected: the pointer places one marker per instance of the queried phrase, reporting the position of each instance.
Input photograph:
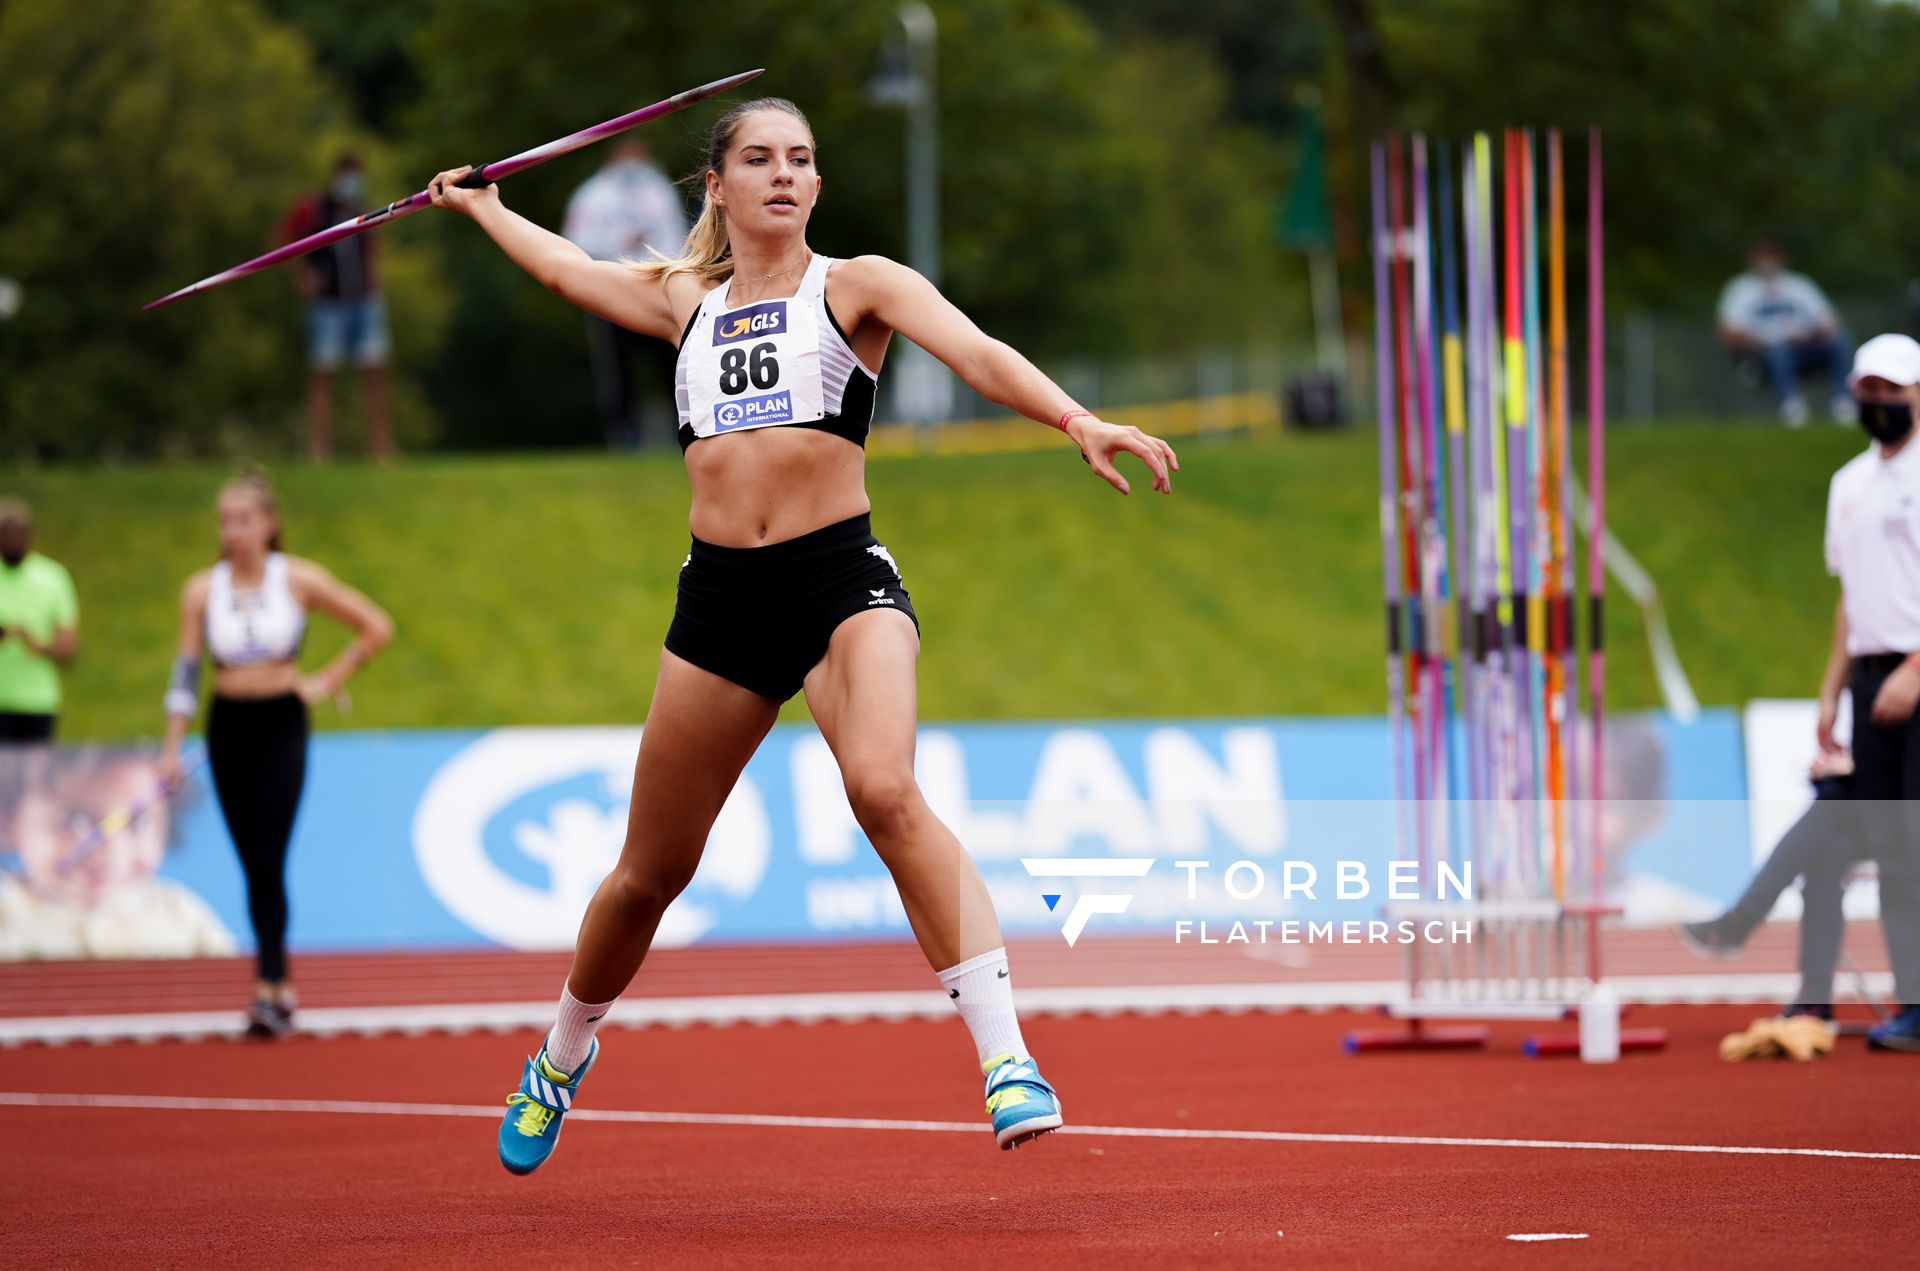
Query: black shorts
(18, 727)
(762, 616)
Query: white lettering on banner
(1403, 880)
(576, 838)
(1351, 881)
(822, 820)
(1080, 791)
(1259, 880)
(824, 824)
(1298, 877)
(991, 831)
(854, 904)
(1240, 793)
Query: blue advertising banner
(425, 839)
(500, 838)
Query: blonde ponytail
(707, 251)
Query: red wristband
(1061, 424)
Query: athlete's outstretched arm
(602, 287)
(908, 303)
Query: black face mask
(1887, 422)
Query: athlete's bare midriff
(265, 679)
(767, 485)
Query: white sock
(982, 991)
(572, 1037)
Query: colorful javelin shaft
(1539, 702)
(1459, 685)
(1383, 248)
(1433, 539)
(1560, 687)
(1405, 485)
(1479, 721)
(482, 176)
(1597, 510)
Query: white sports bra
(772, 362)
(250, 628)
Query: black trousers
(1886, 781)
(257, 748)
(632, 379)
(1820, 850)
(16, 726)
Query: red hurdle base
(1417, 1035)
(1631, 1039)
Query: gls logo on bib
(743, 324)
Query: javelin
(483, 175)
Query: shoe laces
(535, 1116)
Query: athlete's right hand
(170, 767)
(451, 197)
(1823, 728)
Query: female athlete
(786, 589)
(249, 613)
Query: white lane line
(187, 1103)
(1550, 1235)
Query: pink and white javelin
(482, 175)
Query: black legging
(257, 749)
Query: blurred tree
(149, 145)
(362, 46)
(1723, 119)
(1096, 199)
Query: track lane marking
(186, 1103)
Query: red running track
(101, 1186)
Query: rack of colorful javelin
(1496, 758)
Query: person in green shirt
(39, 617)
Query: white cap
(1891, 357)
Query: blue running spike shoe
(534, 1111)
(1022, 1104)
(1902, 1032)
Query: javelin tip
(717, 87)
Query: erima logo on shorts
(743, 324)
(752, 412)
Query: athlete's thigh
(700, 732)
(862, 693)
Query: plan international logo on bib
(752, 412)
(767, 319)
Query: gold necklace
(783, 273)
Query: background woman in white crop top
(249, 614)
(780, 351)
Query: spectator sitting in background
(38, 618)
(1784, 322)
(625, 211)
(346, 315)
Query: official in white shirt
(628, 210)
(1873, 547)
(1785, 322)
